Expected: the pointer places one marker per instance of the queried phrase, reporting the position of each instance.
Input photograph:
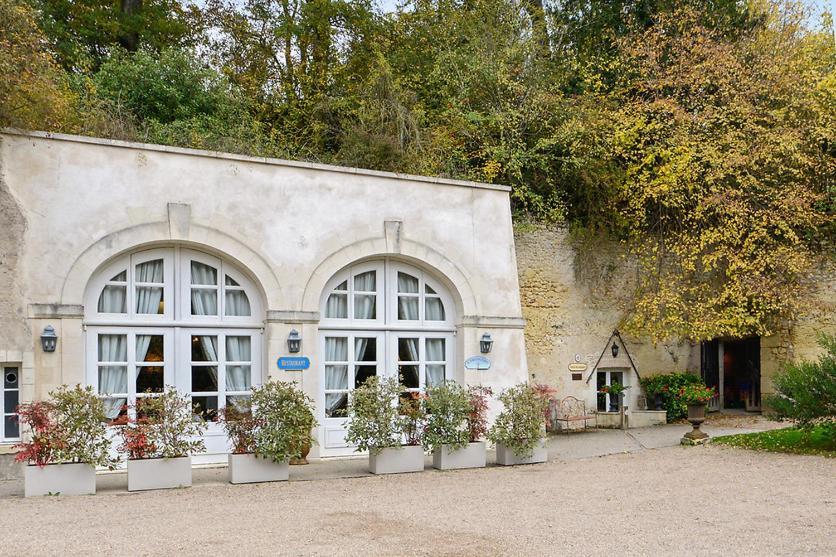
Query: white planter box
(507, 457)
(396, 460)
(64, 479)
(248, 468)
(159, 473)
(471, 455)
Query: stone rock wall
(14, 331)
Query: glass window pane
(150, 271)
(238, 378)
(408, 349)
(150, 348)
(342, 286)
(429, 289)
(409, 376)
(408, 308)
(433, 309)
(11, 378)
(336, 349)
(336, 377)
(150, 378)
(121, 277)
(204, 274)
(10, 401)
(336, 405)
(366, 282)
(435, 374)
(238, 349)
(204, 301)
(149, 300)
(113, 348)
(113, 379)
(435, 350)
(115, 408)
(113, 299)
(337, 306)
(363, 373)
(601, 379)
(407, 283)
(365, 349)
(204, 348)
(204, 379)
(616, 377)
(12, 426)
(240, 403)
(205, 407)
(229, 281)
(237, 303)
(365, 306)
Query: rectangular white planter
(248, 468)
(63, 479)
(507, 457)
(159, 473)
(471, 455)
(396, 460)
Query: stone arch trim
(147, 235)
(454, 277)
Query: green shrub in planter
(164, 427)
(284, 419)
(374, 423)
(521, 424)
(448, 408)
(668, 387)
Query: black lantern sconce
(49, 339)
(294, 341)
(614, 349)
(486, 343)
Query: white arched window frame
(416, 299)
(353, 295)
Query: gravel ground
(668, 501)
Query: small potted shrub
(276, 430)
(159, 442)
(696, 397)
(452, 422)
(68, 441)
(519, 431)
(377, 424)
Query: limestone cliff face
(14, 331)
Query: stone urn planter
(471, 455)
(507, 457)
(250, 468)
(696, 416)
(397, 460)
(59, 479)
(159, 473)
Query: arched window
(381, 318)
(173, 316)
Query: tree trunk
(128, 34)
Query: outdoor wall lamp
(294, 341)
(486, 343)
(614, 349)
(49, 339)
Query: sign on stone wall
(293, 363)
(577, 366)
(480, 363)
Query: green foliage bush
(521, 424)
(668, 386)
(285, 419)
(164, 428)
(374, 423)
(806, 391)
(448, 408)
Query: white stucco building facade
(163, 266)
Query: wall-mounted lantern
(294, 341)
(49, 339)
(486, 343)
(614, 349)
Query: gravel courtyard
(667, 501)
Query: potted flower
(377, 424)
(696, 397)
(159, 441)
(264, 440)
(68, 441)
(616, 392)
(519, 430)
(449, 430)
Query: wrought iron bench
(573, 410)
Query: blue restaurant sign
(293, 363)
(477, 362)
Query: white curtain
(337, 306)
(238, 376)
(204, 300)
(237, 303)
(435, 353)
(407, 305)
(433, 309)
(113, 299)
(148, 297)
(210, 353)
(113, 378)
(336, 376)
(364, 305)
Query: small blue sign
(480, 363)
(293, 363)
